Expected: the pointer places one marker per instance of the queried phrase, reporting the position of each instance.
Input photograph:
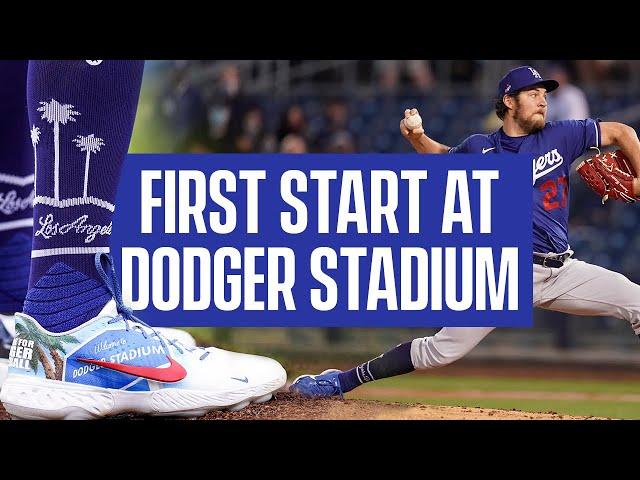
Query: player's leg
(16, 197)
(79, 351)
(18, 146)
(582, 288)
(16, 187)
(445, 347)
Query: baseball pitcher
(560, 281)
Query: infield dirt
(289, 407)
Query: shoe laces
(125, 313)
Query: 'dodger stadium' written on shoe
(115, 364)
(7, 334)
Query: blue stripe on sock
(64, 298)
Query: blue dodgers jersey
(554, 148)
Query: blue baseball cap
(523, 77)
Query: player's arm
(625, 137)
(417, 138)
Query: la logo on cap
(535, 73)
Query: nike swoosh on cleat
(173, 373)
(244, 380)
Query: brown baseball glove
(610, 175)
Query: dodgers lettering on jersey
(553, 150)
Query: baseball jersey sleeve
(581, 135)
(461, 148)
(469, 145)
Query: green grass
(427, 382)
(420, 386)
(150, 134)
(624, 410)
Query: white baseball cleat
(115, 364)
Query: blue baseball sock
(84, 111)
(16, 186)
(396, 361)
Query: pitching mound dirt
(289, 407)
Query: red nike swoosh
(173, 373)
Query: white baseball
(413, 121)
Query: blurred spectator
(387, 75)
(420, 74)
(292, 121)
(392, 74)
(341, 142)
(293, 143)
(182, 102)
(335, 120)
(251, 135)
(337, 114)
(602, 73)
(227, 108)
(463, 71)
(567, 102)
(230, 80)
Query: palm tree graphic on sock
(60, 114)
(35, 138)
(90, 144)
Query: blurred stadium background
(333, 106)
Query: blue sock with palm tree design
(84, 111)
(16, 186)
